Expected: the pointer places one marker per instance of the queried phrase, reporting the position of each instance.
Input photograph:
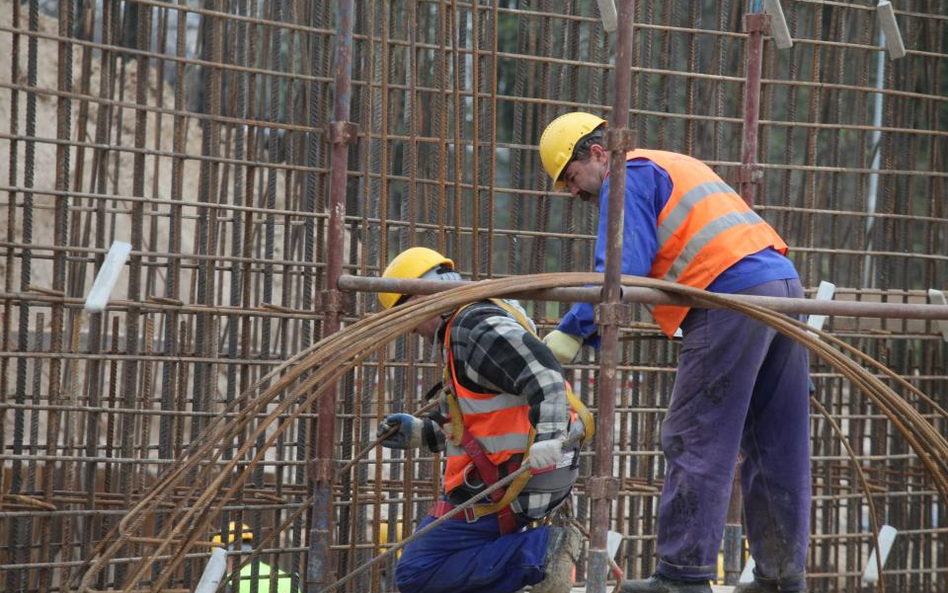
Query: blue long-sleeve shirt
(647, 189)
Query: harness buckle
(469, 515)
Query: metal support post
(604, 487)
(340, 134)
(756, 25)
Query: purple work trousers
(741, 387)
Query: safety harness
(490, 473)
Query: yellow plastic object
(383, 536)
(411, 263)
(563, 346)
(559, 139)
(246, 534)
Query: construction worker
(503, 396)
(249, 584)
(741, 387)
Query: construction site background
(209, 152)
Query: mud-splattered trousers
(461, 557)
(741, 388)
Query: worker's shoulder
(647, 154)
(476, 313)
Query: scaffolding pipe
(651, 296)
(875, 140)
(756, 24)
(340, 133)
(603, 487)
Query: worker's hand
(564, 346)
(546, 454)
(409, 431)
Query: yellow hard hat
(560, 138)
(246, 534)
(411, 263)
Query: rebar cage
(201, 133)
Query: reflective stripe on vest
(496, 444)
(500, 423)
(704, 228)
(483, 405)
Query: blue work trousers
(741, 387)
(462, 557)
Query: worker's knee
(410, 578)
(412, 575)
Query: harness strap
(488, 471)
(506, 521)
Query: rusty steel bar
(656, 297)
(603, 487)
(340, 133)
(756, 25)
(548, 58)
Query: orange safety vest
(704, 228)
(499, 421)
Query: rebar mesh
(197, 131)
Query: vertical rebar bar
(604, 487)
(756, 25)
(341, 133)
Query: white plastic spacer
(890, 26)
(778, 24)
(887, 535)
(108, 275)
(607, 12)
(825, 292)
(937, 297)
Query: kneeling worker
(504, 399)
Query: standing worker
(741, 387)
(504, 395)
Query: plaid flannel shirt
(493, 353)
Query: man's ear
(599, 152)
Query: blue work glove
(409, 433)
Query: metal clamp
(602, 487)
(613, 314)
(757, 22)
(342, 132)
(331, 301)
(321, 470)
(619, 139)
(750, 174)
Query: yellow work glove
(564, 346)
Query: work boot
(765, 586)
(562, 551)
(659, 584)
